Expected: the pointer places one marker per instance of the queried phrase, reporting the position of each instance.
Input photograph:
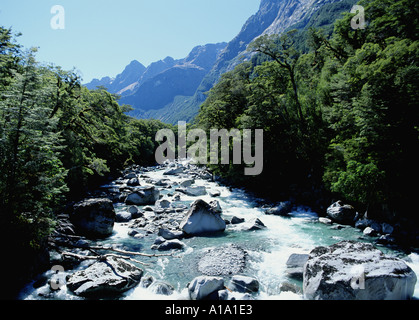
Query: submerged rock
(104, 278)
(226, 260)
(352, 270)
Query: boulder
(365, 223)
(236, 220)
(352, 270)
(214, 193)
(325, 221)
(123, 216)
(144, 196)
(174, 171)
(171, 245)
(216, 207)
(105, 278)
(223, 261)
(170, 234)
(368, 231)
(195, 191)
(202, 287)
(134, 182)
(162, 288)
(295, 265)
(94, 218)
(187, 183)
(201, 218)
(252, 225)
(244, 284)
(342, 213)
(282, 209)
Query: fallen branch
(131, 253)
(101, 258)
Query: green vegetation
(57, 140)
(341, 117)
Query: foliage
(343, 115)
(57, 140)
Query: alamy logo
(358, 21)
(242, 147)
(58, 20)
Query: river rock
(216, 207)
(223, 261)
(94, 217)
(282, 209)
(352, 270)
(195, 191)
(187, 183)
(174, 171)
(252, 225)
(162, 204)
(325, 221)
(134, 182)
(237, 220)
(201, 218)
(295, 265)
(368, 231)
(244, 284)
(123, 216)
(202, 287)
(214, 193)
(170, 234)
(342, 213)
(162, 288)
(170, 245)
(105, 278)
(142, 197)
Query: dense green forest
(57, 141)
(339, 108)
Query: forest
(339, 109)
(58, 140)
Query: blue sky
(101, 37)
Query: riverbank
(152, 207)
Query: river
(267, 250)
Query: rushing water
(268, 250)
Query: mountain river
(267, 250)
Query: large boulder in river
(244, 284)
(342, 213)
(203, 287)
(144, 196)
(202, 218)
(94, 217)
(352, 270)
(105, 278)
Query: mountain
(164, 80)
(119, 85)
(172, 90)
(158, 85)
(273, 17)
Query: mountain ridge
(158, 93)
